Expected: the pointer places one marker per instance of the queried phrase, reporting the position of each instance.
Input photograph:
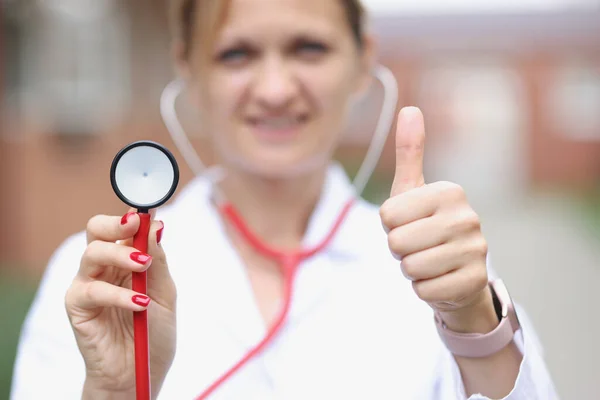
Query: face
(274, 91)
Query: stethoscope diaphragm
(144, 175)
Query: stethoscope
(145, 175)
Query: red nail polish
(141, 300)
(159, 232)
(125, 217)
(140, 258)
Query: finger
(98, 255)
(417, 236)
(452, 288)
(410, 146)
(411, 206)
(440, 260)
(91, 295)
(155, 248)
(160, 282)
(113, 228)
(440, 228)
(129, 241)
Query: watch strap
(477, 345)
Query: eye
(234, 55)
(310, 48)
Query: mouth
(278, 128)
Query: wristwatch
(477, 345)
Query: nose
(275, 86)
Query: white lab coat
(356, 329)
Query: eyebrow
(232, 37)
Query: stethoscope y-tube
(289, 263)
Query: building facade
(512, 102)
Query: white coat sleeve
(48, 362)
(533, 381)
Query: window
(74, 64)
(477, 120)
(574, 102)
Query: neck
(277, 210)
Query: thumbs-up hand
(437, 236)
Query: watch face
(506, 301)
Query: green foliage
(591, 209)
(16, 295)
(378, 187)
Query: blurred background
(511, 95)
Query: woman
(272, 82)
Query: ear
(366, 65)
(182, 66)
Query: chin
(281, 164)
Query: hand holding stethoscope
(108, 302)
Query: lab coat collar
(337, 190)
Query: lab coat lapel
(220, 278)
(317, 276)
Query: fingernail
(125, 218)
(140, 258)
(159, 232)
(141, 300)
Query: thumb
(410, 148)
(158, 269)
(132, 210)
(160, 283)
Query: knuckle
(478, 280)
(469, 220)
(481, 277)
(452, 191)
(70, 296)
(408, 268)
(422, 291)
(464, 221)
(89, 292)
(481, 246)
(385, 213)
(88, 252)
(394, 242)
(93, 223)
(92, 249)
(472, 220)
(477, 247)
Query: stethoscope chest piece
(144, 175)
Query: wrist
(478, 317)
(94, 391)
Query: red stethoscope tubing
(289, 262)
(140, 318)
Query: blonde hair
(183, 19)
